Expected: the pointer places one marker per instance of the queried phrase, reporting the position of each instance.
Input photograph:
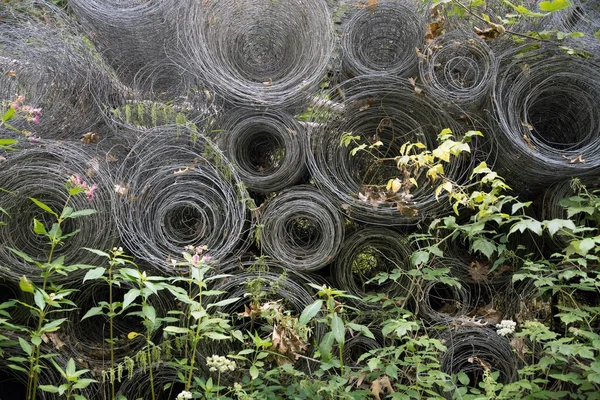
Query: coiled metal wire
(301, 228)
(178, 190)
(458, 68)
(41, 172)
(366, 253)
(267, 147)
(382, 38)
(545, 103)
(254, 52)
(385, 113)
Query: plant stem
(111, 331)
(150, 363)
(196, 340)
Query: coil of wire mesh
(382, 38)
(176, 189)
(545, 106)
(138, 39)
(583, 16)
(459, 69)
(301, 228)
(473, 351)
(268, 295)
(375, 116)
(367, 253)
(15, 383)
(41, 172)
(53, 68)
(256, 52)
(268, 148)
(86, 339)
(442, 302)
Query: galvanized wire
(366, 253)
(57, 70)
(382, 38)
(472, 350)
(548, 121)
(178, 190)
(267, 147)
(458, 69)
(41, 172)
(301, 228)
(254, 52)
(385, 113)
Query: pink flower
(90, 192)
(36, 119)
(195, 260)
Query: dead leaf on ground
(268, 83)
(12, 73)
(476, 360)
(381, 386)
(54, 339)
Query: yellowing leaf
(132, 335)
(554, 5)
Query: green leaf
(149, 312)
(176, 329)
(22, 255)
(7, 142)
(223, 302)
(53, 325)
(582, 247)
(338, 329)
(527, 223)
(92, 312)
(216, 336)
(38, 298)
(38, 227)
(25, 285)
(70, 368)
(25, 346)
(555, 225)
(82, 384)
(8, 115)
(98, 252)
(310, 312)
(49, 388)
(130, 297)
(484, 246)
(43, 206)
(83, 213)
(253, 372)
(554, 5)
(95, 273)
(326, 344)
(419, 258)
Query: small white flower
(220, 364)
(184, 395)
(506, 327)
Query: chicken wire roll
(56, 70)
(459, 69)
(382, 38)
(268, 148)
(583, 16)
(301, 228)
(271, 53)
(264, 288)
(473, 350)
(547, 116)
(178, 190)
(138, 39)
(41, 172)
(375, 116)
(366, 253)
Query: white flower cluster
(220, 363)
(506, 327)
(184, 395)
